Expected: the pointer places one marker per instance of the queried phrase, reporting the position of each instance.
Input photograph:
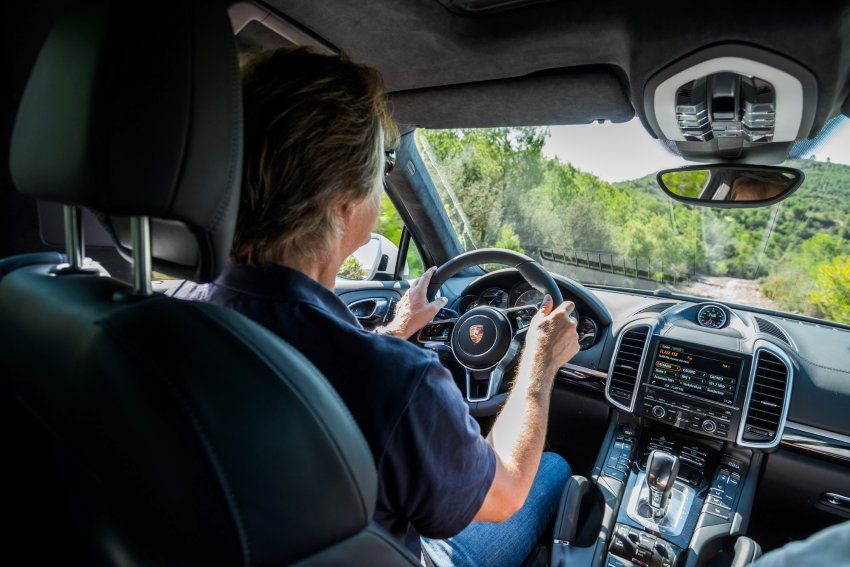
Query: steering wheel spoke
(520, 317)
(481, 385)
(437, 331)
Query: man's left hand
(414, 311)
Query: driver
(750, 189)
(316, 129)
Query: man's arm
(519, 433)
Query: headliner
(602, 52)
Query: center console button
(659, 411)
(709, 426)
(718, 511)
(717, 501)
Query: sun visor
(575, 96)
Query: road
(732, 290)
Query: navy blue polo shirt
(434, 468)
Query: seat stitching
(813, 363)
(235, 120)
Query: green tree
(508, 239)
(831, 289)
(351, 269)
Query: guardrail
(635, 267)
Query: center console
(660, 521)
(677, 473)
(664, 499)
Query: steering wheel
(485, 340)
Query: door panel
(372, 302)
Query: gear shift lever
(661, 471)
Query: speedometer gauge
(712, 316)
(494, 297)
(530, 297)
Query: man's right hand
(552, 337)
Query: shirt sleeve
(437, 468)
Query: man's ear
(345, 212)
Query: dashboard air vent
(770, 328)
(766, 409)
(657, 307)
(625, 369)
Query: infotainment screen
(697, 372)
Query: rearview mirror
(730, 185)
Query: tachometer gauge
(587, 331)
(530, 297)
(712, 316)
(466, 303)
(494, 297)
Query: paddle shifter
(661, 471)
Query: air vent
(656, 307)
(767, 403)
(625, 369)
(770, 328)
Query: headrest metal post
(74, 243)
(140, 234)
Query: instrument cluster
(522, 294)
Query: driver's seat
(177, 433)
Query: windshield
(584, 201)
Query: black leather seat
(150, 430)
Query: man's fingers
(422, 281)
(434, 307)
(568, 307)
(425, 278)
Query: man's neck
(323, 270)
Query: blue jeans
(510, 542)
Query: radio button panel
(691, 415)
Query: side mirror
(733, 185)
(375, 260)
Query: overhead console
(734, 102)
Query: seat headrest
(136, 110)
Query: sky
(616, 152)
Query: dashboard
(813, 354)
(522, 294)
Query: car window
(584, 200)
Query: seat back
(154, 430)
